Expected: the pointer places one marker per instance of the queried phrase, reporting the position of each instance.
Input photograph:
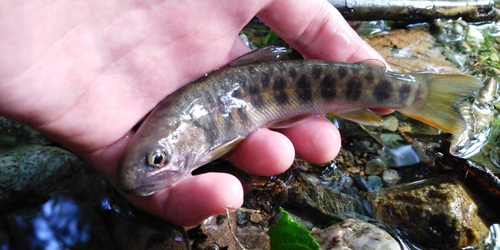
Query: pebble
(391, 123)
(354, 234)
(390, 177)
(375, 167)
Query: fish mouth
(146, 190)
(138, 188)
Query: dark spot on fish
(404, 92)
(254, 89)
(353, 90)
(292, 72)
(328, 87)
(279, 87)
(383, 90)
(369, 76)
(264, 79)
(257, 100)
(242, 80)
(242, 114)
(418, 92)
(237, 93)
(304, 88)
(255, 96)
(252, 72)
(316, 71)
(342, 72)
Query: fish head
(158, 156)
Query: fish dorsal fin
(373, 63)
(266, 54)
(361, 116)
(221, 150)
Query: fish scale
(294, 92)
(210, 116)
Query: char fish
(208, 117)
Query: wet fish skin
(210, 116)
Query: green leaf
(288, 234)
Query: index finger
(317, 30)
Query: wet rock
(59, 223)
(13, 133)
(493, 239)
(438, 212)
(253, 238)
(370, 183)
(320, 200)
(410, 50)
(29, 174)
(391, 123)
(375, 167)
(143, 231)
(478, 116)
(354, 234)
(221, 232)
(486, 182)
(391, 177)
(242, 217)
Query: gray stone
(354, 234)
(391, 177)
(34, 172)
(14, 133)
(375, 167)
(313, 197)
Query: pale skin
(85, 72)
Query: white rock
(354, 234)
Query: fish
(210, 116)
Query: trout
(210, 116)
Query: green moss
(288, 234)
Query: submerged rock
(354, 234)
(14, 133)
(143, 231)
(390, 177)
(29, 174)
(59, 223)
(322, 201)
(438, 212)
(222, 232)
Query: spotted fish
(209, 117)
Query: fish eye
(157, 158)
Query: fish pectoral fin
(221, 150)
(266, 54)
(373, 63)
(361, 116)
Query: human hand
(85, 72)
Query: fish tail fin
(444, 92)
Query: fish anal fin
(266, 54)
(291, 122)
(437, 108)
(361, 116)
(221, 150)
